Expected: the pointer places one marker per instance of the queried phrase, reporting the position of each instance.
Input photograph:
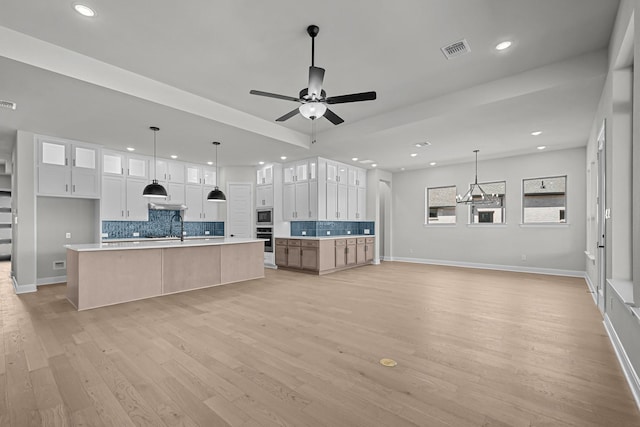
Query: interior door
(239, 213)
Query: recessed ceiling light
(401, 169)
(131, 149)
(536, 133)
(354, 159)
(422, 144)
(173, 156)
(283, 157)
(541, 147)
(374, 165)
(432, 163)
(261, 163)
(84, 10)
(503, 45)
(414, 154)
(209, 163)
(8, 104)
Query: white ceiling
(187, 67)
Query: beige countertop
(160, 244)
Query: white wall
(556, 247)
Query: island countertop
(160, 244)
(342, 236)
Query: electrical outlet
(304, 233)
(136, 234)
(67, 235)
(524, 257)
(328, 233)
(367, 231)
(207, 232)
(348, 231)
(184, 233)
(105, 235)
(410, 251)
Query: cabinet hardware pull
(127, 213)
(122, 214)
(66, 187)
(121, 171)
(66, 161)
(74, 162)
(74, 188)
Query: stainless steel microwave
(264, 217)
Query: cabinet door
(342, 173)
(302, 200)
(361, 253)
(137, 205)
(309, 259)
(175, 172)
(342, 202)
(302, 171)
(289, 173)
(294, 257)
(341, 247)
(53, 153)
(54, 180)
(353, 177)
(313, 170)
(137, 167)
(289, 202)
(352, 203)
(160, 173)
(362, 203)
(209, 176)
(362, 178)
(281, 255)
(351, 253)
(332, 201)
(313, 200)
(368, 251)
(210, 210)
(175, 192)
(267, 174)
(264, 195)
(85, 176)
(193, 174)
(193, 200)
(332, 172)
(113, 200)
(113, 164)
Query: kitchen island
(323, 254)
(103, 274)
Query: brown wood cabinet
(323, 255)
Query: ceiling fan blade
(316, 76)
(333, 117)
(274, 95)
(288, 115)
(354, 97)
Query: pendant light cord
(155, 162)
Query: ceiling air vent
(456, 49)
(7, 104)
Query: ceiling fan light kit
(313, 98)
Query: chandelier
(476, 194)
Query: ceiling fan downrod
(313, 31)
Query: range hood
(167, 206)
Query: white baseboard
(516, 268)
(627, 368)
(22, 289)
(591, 288)
(51, 280)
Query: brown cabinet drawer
(370, 239)
(294, 242)
(310, 243)
(281, 242)
(351, 241)
(360, 240)
(341, 242)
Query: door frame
(252, 218)
(601, 254)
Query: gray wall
(57, 216)
(558, 247)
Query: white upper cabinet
(113, 163)
(193, 174)
(304, 170)
(170, 171)
(209, 176)
(264, 175)
(138, 167)
(264, 196)
(113, 203)
(68, 168)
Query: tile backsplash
(335, 228)
(161, 223)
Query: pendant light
(476, 195)
(216, 195)
(154, 189)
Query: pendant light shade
(154, 189)
(216, 195)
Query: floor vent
(456, 49)
(7, 104)
(59, 265)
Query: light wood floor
(474, 348)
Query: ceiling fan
(314, 99)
